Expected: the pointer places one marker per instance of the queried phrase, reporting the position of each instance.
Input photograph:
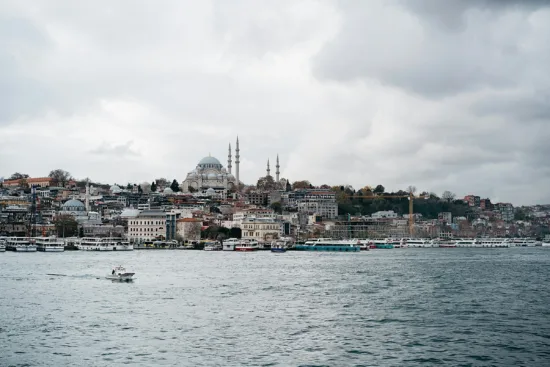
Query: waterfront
(195, 308)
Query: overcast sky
(437, 94)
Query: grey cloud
(115, 150)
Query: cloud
(439, 95)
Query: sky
(435, 94)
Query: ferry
(365, 245)
(230, 244)
(49, 244)
(280, 245)
(20, 244)
(97, 244)
(327, 244)
(212, 246)
(247, 246)
(493, 242)
(418, 242)
(123, 246)
(382, 244)
(525, 242)
(468, 242)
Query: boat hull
(245, 249)
(278, 250)
(123, 248)
(384, 246)
(328, 248)
(51, 249)
(25, 249)
(95, 248)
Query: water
(410, 307)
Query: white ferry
(493, 242)
(212, 246)
(49, 244)
(418, 242)
(20, 244)
(525, 242)
(247, 246)
(464, 242)
(230, 244)
(97, 244)
(121, 245)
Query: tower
(277, 170)
(229, 159)
(268, 169)
(88, 197)
(237, 161)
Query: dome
(168, 191)
(209, 160)
(211, 176)
(115, 189)
(210, 192)
(74, 205)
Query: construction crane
(411, 198)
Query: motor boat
(119, 273)
(212, 246)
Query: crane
(411, 198)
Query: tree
(161, 182)
(140, 190)
(18, 176)
(448, 196)
(411, 190)
(59, 177)
(235, 232)
(23, 183)
(277, 207)
(175, 186)
(65, 225)
(153, 186)
(129, 186)
(266, 183)
(379, 189)
(301, 185)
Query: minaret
(229, 160)
(277, 170)
(237, 161)
(87, 197)
(268, 170)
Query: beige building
(189, 228)
(147, 226)
(260, 229)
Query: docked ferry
(97, 244)
(493, 242)
(382, 243)
(327, 244)
(247, 246)
(20, 244)
(121, 245)
(49, 244)
(525, 242)
(230, 244)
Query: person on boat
(113, 273)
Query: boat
(382, 244)
(119, 273)
(212, 246)
(49, 244)
(544, 244)
(20, 244)
(97, 244)
(230, 244)
(330, 245)
(493, 242)
(418, 242)
(247, 246)
(123, 246)
(525, 242)
(279, 246)
(2, 245)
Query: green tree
(235, 232)
(379, 189)
(277, 207)
(18, 176)
(153, 186)
(266, 183)
(301, 185)
(175, 186)
(59, 177)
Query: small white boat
(120, 273)
(212, 246)
(230, 244)
(247, 246)
(123, 246)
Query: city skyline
(439, 96)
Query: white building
(261, 229)
(384, 214)
(147, 225)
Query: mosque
(211, 177)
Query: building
(473, 200)
(261, 229)
(312, 201)
(445, 217)
(257, 197)
(189, 228)
(81, 214)
(210, 173)
(38, 182)
(147, 226)
(506, 211)
(94, 230)
(485, 204)
(384, 214)
(171, 228)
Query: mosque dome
(210, 192)
(74, 205)
(168, 191)
(115, 189)
(209, 160)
